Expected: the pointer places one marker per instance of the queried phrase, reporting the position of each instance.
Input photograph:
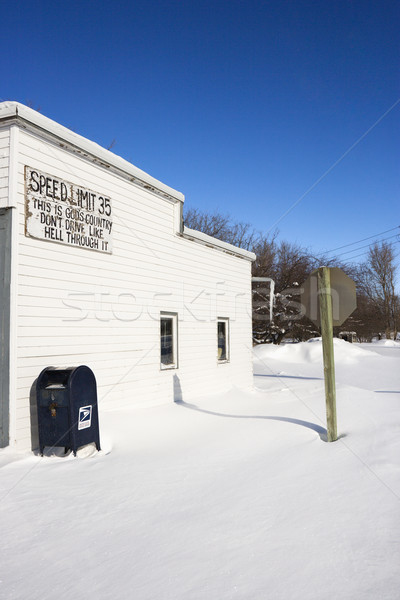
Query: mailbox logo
(85, 417)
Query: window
(168, 341)
(223, 339)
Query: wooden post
(325, 305)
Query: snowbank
(232, 497)
(311, 352)
(387, 343)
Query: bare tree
(377, 280)
(288, 265)
(221, 227)
(33, 105)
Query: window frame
(225, 321)
(174, 319)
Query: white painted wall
(77, 306)
(4, 157)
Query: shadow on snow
(317, 428)
(287, 376)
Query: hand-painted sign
(64, 212)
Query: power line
(367, 245)
(339, 160)
(363, 240)
(366, 251)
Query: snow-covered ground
(230, 497)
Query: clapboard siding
(126, 268)
(4, 162)
(78, 306)
(84, 173)
(171, 250)
(4, 146)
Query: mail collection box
(67, 408)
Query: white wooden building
(97, 268)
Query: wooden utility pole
(325, 304)
(328, 297)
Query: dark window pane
(167, 341)
(222, 354)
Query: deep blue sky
(240, 105)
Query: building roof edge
(208, 240)
(15, 111)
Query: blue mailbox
(67, 408)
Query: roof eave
(14, 112)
